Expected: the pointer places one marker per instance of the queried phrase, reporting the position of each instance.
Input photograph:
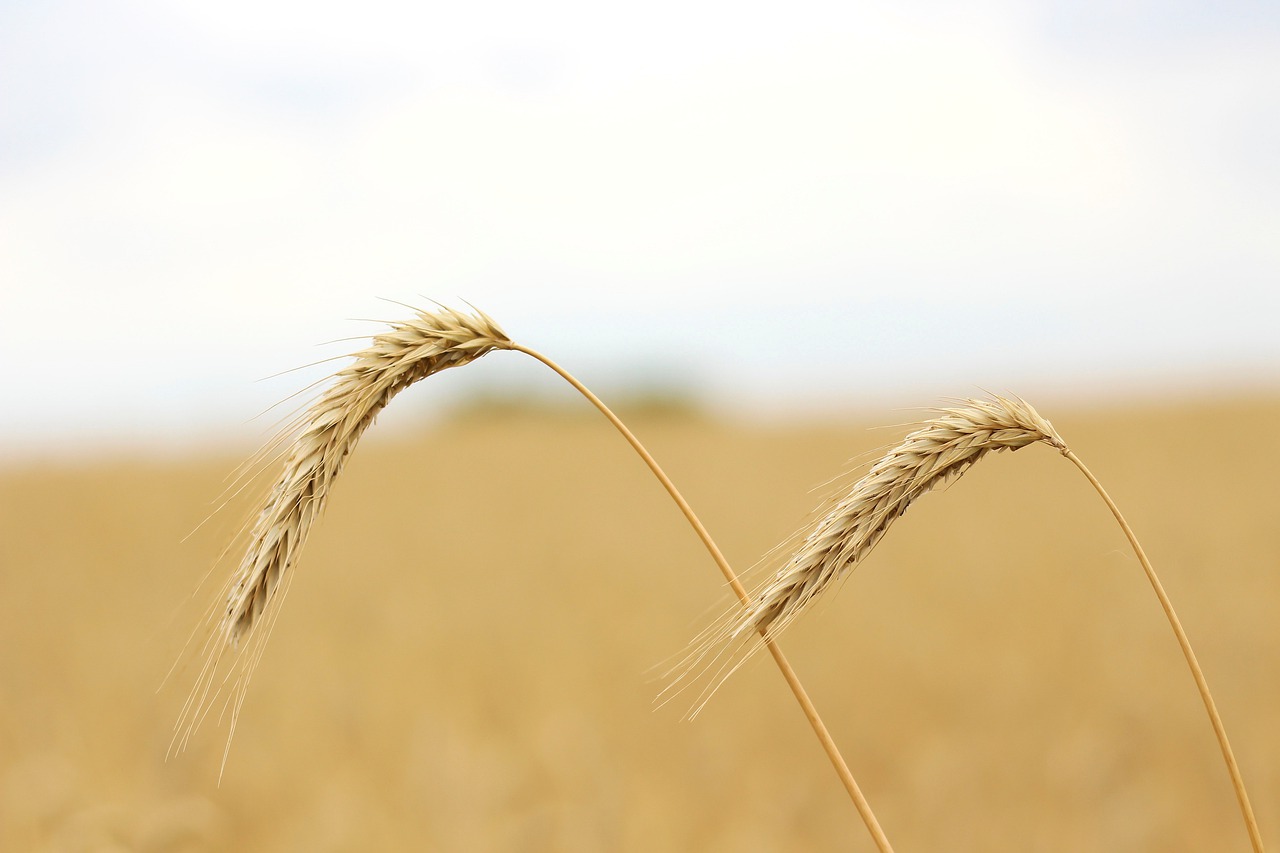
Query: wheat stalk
(324, 437)
(938, 451)
(788, 673)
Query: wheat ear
(938, 451)
(408, 352)
(319, 442)
(326, 434)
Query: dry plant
(315, 448)
(937, 452)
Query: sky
(781, 208)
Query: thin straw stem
(793, 681)
(1255, 836)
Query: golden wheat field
(470, 650)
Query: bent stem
(1255, 836)
(793, 681)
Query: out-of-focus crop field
(469, 654)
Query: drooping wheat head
(940, 450)
(322, 438)
(935, 453)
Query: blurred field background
(469, 656)
(777, 209)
